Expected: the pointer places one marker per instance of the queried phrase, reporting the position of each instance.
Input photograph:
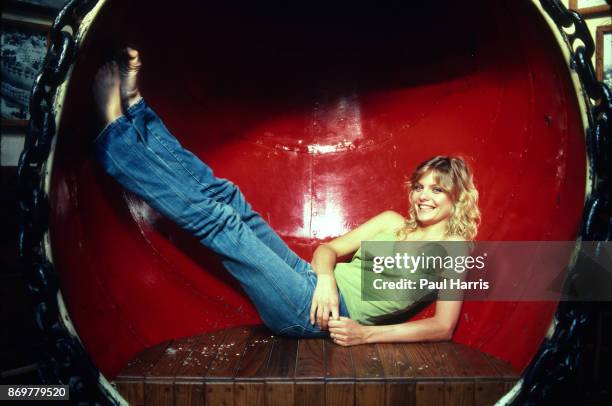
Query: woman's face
(430, 201)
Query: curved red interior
(318, 113)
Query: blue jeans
(141, 154)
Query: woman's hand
(324, 301)
(347, 332)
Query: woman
(443, 207)
(293, 297)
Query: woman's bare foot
(129, 66)
(106, 93)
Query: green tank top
(349, 280)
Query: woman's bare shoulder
(383, 222)
(392, 220)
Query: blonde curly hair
(455, 177)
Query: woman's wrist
(367, 334)
(326, 275)
(323, 271)
(327, 280)
(323, 260)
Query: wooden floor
(251, 366)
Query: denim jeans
(141, 154)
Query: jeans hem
(136, 106)
(110, 127)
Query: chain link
(63, 359)
(556, 368)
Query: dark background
(18, 332)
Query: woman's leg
(144, 165)
(280, 294)
(150, 127)
(148, 124)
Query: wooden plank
(504, 368)
(338, 362)
(229, 353)
(422, 360)
(310, 393)
(159, 394)
(482, 365)
(370, 393)
(243, 366)
(282, 361)
(310, 366)
(459, 384)
(459, 393)
(340, 393)
(339, 375)
(429, 393)
(159, 381)
(454, 365)
(196, 364)
(489, 384)
(400, 393)
(310, 362)
(488, 392)
(249, 393)
(219, 393)
(249, 387)
(189, 381)
(189, 393)
(143, 362)
(172, 358)
(396, 362)
(423, 363)
(280, 372)
(130, 381)
(388, 360)
(369, 372)
(132, 391)
(257, 352)
(474, 362)
(280, 393)
(367, 362)
(400, 387)
(219, 376)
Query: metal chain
(558, 368)
(63, 358)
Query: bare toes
(132, 58)
(131, 52)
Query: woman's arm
(325, 298)
(440, 327)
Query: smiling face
(431, 203)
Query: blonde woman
(443, 206)
(293, 297)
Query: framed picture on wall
(586, 7)
(47, 7)
(603, 54)
(23, 46)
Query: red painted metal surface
(319, 114)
